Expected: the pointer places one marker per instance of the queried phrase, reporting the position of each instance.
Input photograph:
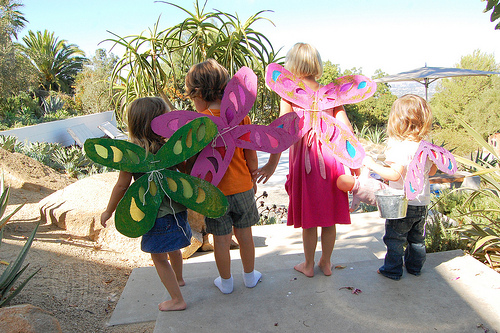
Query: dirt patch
(78, 283)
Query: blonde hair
(410, 118)
(207, 80)
(304, 60)
(140, 113)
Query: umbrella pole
(426, 85)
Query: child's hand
(368, 162)
(105, 216)
(264, 173)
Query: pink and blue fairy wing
(239, 96)
(273, 138)
(415, 174)
(444, 160)
(288, 86)
(348, 89)
(337, 137)
(212, 162)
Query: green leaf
(14, 267)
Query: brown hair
(207, 80)
(410, 118)
(140, 113)
(304, 60)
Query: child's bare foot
(326, 268)
(307, 271)
(181, 282)
(172, 305)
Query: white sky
(392, 35)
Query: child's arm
(392, 172)
(264, 173)
(252, 164)
(433, 170)
(121, 186)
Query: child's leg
(176, 262)
(328, 235)
(396, 233)
(309, 240)
(415, 251)
(222, 245)
(169, 280)
(247, 253)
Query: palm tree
(11, 19)
(56, 61)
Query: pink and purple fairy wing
(212, 162)
(239, 96)
(273, 138)
(166, 124)
(444, 160)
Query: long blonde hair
(140, 113)
(410, 119)
(304, 60)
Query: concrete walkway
(455, 292)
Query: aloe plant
(13, 271)
(482, 226)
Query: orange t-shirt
(237, 178)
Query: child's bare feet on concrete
(181, 282)
(172, 305)
(306, 270)
(326, 268)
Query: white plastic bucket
(392, 204)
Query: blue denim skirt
(170, 233)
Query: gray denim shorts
(242, 213)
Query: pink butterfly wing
(288, 86)
(166, 124)
(340, 141)
(239, 96)
(274, 138)
(444, 160)
(212, 162)
(345, 90)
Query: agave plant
(71, 160)
(156, 61)
(13, 271)
(482, 226)
(9, 143)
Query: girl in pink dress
(314, 201)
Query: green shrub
(441, 234)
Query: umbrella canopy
(427, 75)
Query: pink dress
(314, 201)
